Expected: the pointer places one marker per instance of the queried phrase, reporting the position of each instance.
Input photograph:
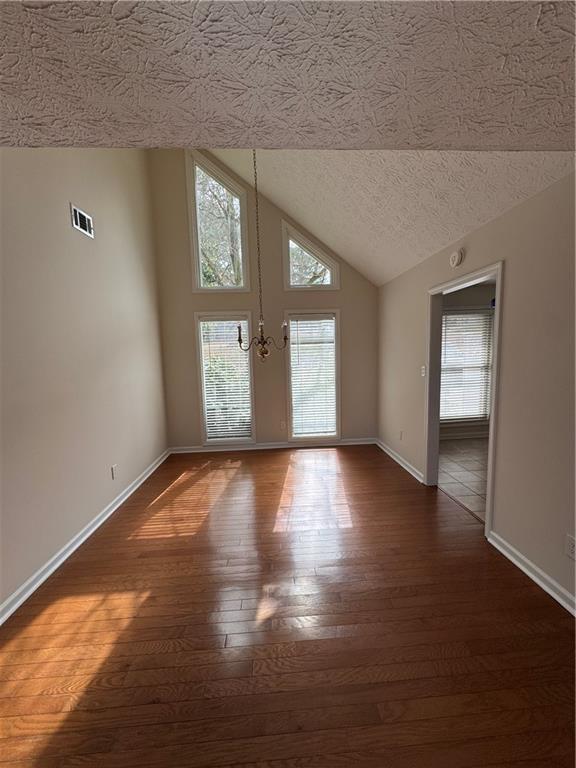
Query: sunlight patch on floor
(316, 477)
(84, 619)
(266, 609)
(184, 507)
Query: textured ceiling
(384, 211)
(288, 74)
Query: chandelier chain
(258, 235)
(261, 342)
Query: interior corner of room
(121, 385)
(532, 430)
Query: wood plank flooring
(313, 608)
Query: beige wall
(82, 377)
(534, 507)
(357, 299)
(81, 365)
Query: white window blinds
(225, 380)
(313, 375)
(466, 365)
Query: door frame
(434, 351)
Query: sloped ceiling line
(385, 211)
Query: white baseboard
(13, 602)
(547, 583)
(270, 446)
(400, 460)
(31, 585)
(23, 592)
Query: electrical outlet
(114, 471)
(401, 435)
(570, 547)
(283, 425)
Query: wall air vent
(82, 221)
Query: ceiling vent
(82, 221)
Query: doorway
(464, 320)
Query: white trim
(240, 315)
(194, 158)
(291, 233)
(432, 401)
(432, 389)
(547, 583)
(31, 585)
(482, 275)
(317, 443)
(328, 313)
(401, 461)
(494, 400)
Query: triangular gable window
(306, 268)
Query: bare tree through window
(306, 269)
(218, 217)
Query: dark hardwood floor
(310, 608)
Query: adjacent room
(465, 393)
(287, 384)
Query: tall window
(466, 365)
(219, 230)
(313, 366)
(305, 266)
(226, 379)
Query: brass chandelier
(262, 343)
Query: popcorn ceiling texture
(384, 211)
(443, 75)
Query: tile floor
(462, 473)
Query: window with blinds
(313, 375)
(226, 380)
(466, 365)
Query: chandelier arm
(254, 340)
(273, 340)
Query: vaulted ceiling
(384, 211)
(317, 76)
(288, 74)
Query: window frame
(291, 233)
(195, 159)
(224, 316)
(296, 314)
